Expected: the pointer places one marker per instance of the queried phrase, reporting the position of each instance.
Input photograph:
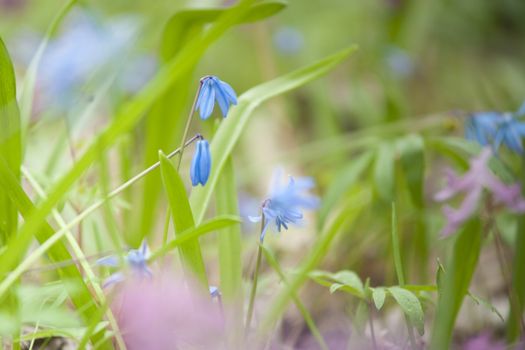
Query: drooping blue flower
(201, 163)
(213, 89)
(284, 205)
(495, 129)
(136, 260)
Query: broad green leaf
(232, 127)
(411, 150)
(182, 218)
(410, 305)
(345, 280)
(456, 281)
(342, 181)
(186, 24)
(10, 143)
(125, 119)
(378, 295)
(384, 172)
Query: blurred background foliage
(417, 60)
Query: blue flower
(283, 207)
(201, 163)
(481, 127)
(213, 89)
(495, 129)
(510, 132)
(136, 259)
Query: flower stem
(188, 124)
(371, 323)
(254, 283)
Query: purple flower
(164, 312)
(136, 259)
(483, 341)
(285, 202)
(472, 184)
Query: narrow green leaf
(456, 281)
(384, 172)
(411, 307)
(411, 150)
(10, 143)
(125, 119)
(230, 259)
(28, 86)
(232, 127)
(342, 181)
(208, 226)
(80, 294)
(378, 295)
(182, 218)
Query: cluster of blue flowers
(494, 129)
(211, 90)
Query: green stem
(399, 268)
(254, 285)
(187, 127)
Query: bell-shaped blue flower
(283, 207)
(213, 89)
(136, 260)
(510, 132)
(201, 163)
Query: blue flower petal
(228, 90)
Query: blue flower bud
(201, 164)
(213, 89)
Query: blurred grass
(422, 65)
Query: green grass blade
(81, 296)
(230, 260)
(456, 281)
(182, 218)
(28, 86)
(232, 127)
(10, 143)
(126, 118)
(217, 223)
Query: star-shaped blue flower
(213, 89)
(136, 259)
(283, 207)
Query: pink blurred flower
(166, 313)
(472, 184)
(483, 341)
